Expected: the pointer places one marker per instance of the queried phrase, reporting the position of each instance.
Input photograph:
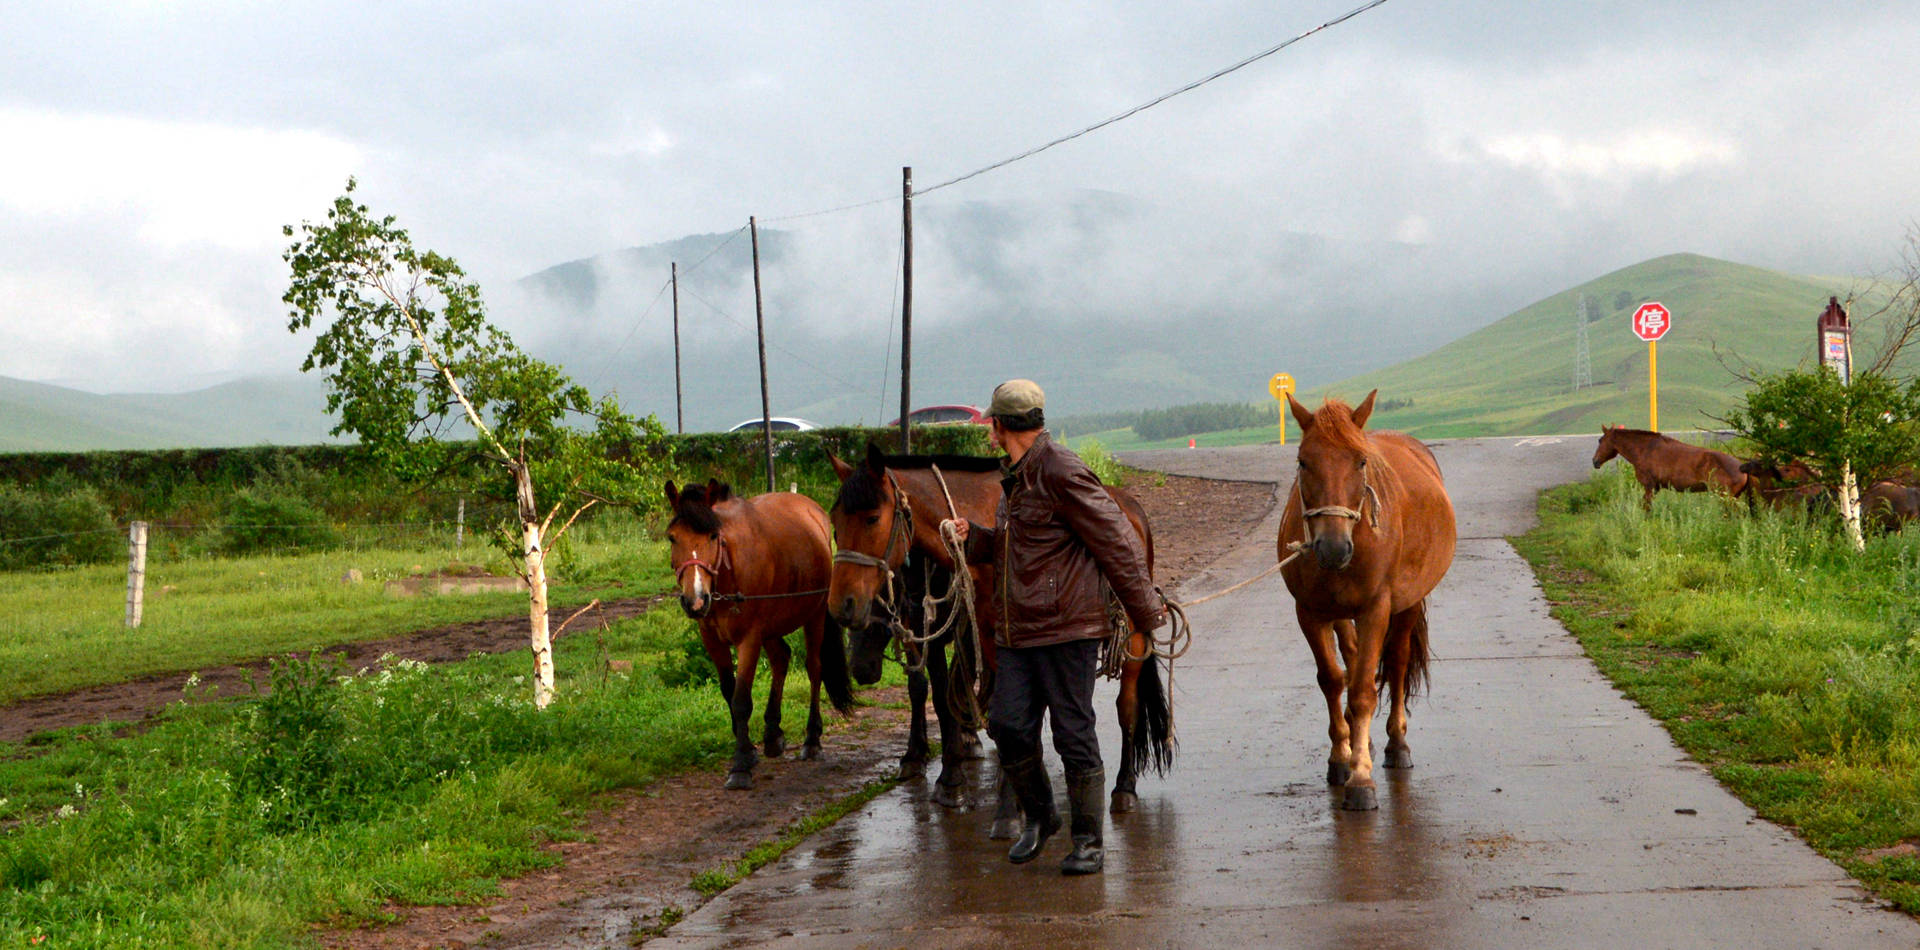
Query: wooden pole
(760, 325)
(136, 571)
(679, 420)
(906, 305)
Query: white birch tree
(408, 356)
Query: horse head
(1607, 449)
(872, 530)
(696, 551)
(1333, 482)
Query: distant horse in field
(1789, 486)
(1888, 506)
(1367, 533)
(1662, 462)
(752, 570)
(893, 504)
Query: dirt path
(642, 847)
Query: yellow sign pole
(1653, 385)
(1279, 386)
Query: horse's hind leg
(774, 739)
(1331, 676)
(817, 632)
(1126, 707)
(740, 772)
(1396, 668)
(914, 761)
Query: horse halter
(713, 570)
(1369, 498)
(899, 537)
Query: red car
(945, 415)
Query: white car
(779, 424)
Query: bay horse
(1367, 533)
(1663, 462)
(1788, 486)
(893, 504)
(752, 570)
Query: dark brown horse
(752, 570)
(1888, 506)
(892, 504)
(1662, 462)
(1788, 486)
(1367, 534)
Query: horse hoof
(1004, 829)
(775, 747)
(1338, 773)
(739, 781)
(1399, 758)
(970, 747)
(1360, 798)
(810, 751)
(946, 796)
(912, 768)
(1123, 802)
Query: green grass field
(1776, 656)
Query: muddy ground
(631, 871)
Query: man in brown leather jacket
(1056, 536)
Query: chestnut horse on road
(1663, 462)
(1367, 534)
(752, 570)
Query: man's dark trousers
(1055, 680)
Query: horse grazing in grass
(1888, 506)
(752, 570)
(1662, 462)
(1789, 486)
(892, 505)
(1367, 534)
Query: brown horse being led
(1662, 462)
(1369, 531)
(866, 520)
(752, 570)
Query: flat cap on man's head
(1016, 397)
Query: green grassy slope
(1514, 376)
(286, 410)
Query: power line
(797, 357)
(1154, 101)
(608, 365)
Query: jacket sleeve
(1098, 521)
(981, 541)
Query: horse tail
(1418, 655)
(1153, 742)
(833, 665)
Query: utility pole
(906, 305)
(679, 417)
(760, 325)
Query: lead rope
(959, 598)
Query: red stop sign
(1651, 321)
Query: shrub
(292, 744)
(1103, 465)
(62, 524)
(258, 520)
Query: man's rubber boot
(1040, 819)
(1086, 794)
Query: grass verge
(714, 880)
(1775, 655)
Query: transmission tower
(1582, 353)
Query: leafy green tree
(414, 370)
(1853, 434)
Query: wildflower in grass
(65, 811)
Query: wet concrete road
(1543, 810)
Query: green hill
(36, 417)
(1515, 376)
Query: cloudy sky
(151, 150)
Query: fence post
(460, 524)
(136, 570)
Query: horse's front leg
(1126, 708)
(1331, 676)
(1363, 696)
(740, 772)
(946, 788)
(779, 656)
(914, 761)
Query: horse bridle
(899, 537)
(713, 570)
(1368, 498)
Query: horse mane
(695, 508)
(1334, 423)
(1641, 434)
(861, 489)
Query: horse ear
(717, 491)
(1361, 414)
(876, 459)
(840, 468)
(673, 493)
(1301, 414)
